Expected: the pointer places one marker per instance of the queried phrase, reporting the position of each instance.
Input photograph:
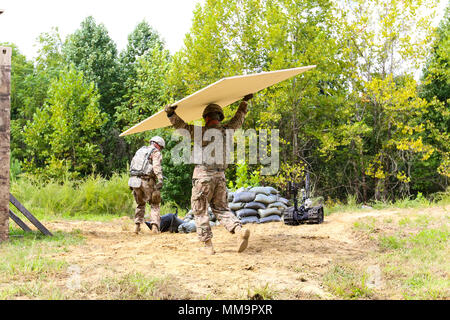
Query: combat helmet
(159, 141)
(210, 108)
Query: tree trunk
(5, 86)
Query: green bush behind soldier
(208, 180)
(149, 186)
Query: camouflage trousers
(147, 193)
(211, 189)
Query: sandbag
(244, 196)
(278, 205)
(271, 218)
(189, 216)
(261, 190)
(265, 199)
(241, 189)
(283, 200)
(269, 211)
(273, 190)
(249, 219)
(230, 196)
(246, 213)
(235, 206)
(255, 205)
(187, 227)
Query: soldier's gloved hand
(170, 110)
(248, 97)
(159, 185)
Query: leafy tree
(145, 65)
(141, 42)
(436, 90)
(64, 136)
(387, 40)
(177, 178)
(22, 72)
(204, 57)
(236, 37)
(94, 53)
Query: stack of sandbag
(257, 204)
(188, 224)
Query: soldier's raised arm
(238, 119)
(176, 121)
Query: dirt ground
(289, 260)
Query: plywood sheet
(223, 92)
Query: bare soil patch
(289, 260)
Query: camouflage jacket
(156, 159)
(235, 123)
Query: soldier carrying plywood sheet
(223, 93)
(209, 186)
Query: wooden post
(5, 88)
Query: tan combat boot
(243, 235)
(155, 229)
(137, 228)
(208, 247)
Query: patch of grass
(347, 282)
(32, 290)
(391, 242)
(388, 220)
(414, 256)
(417, 202)
(431, 238)
(441, 198)
(263, 293)
(136, 286)
(368, 225)
(25, 267)
(350, 205)
(93, 198)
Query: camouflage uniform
(209, 183)
(147, 192)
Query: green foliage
(64, 135)
(385, 100)
(347, 282)
(94, 53)
(287, 173)
(436, 89)
(93, 196)
(147, 93)
(359, 121)
(244, 178)
(177, 184)
(263, 293)
(15, 168)
(141, 41)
